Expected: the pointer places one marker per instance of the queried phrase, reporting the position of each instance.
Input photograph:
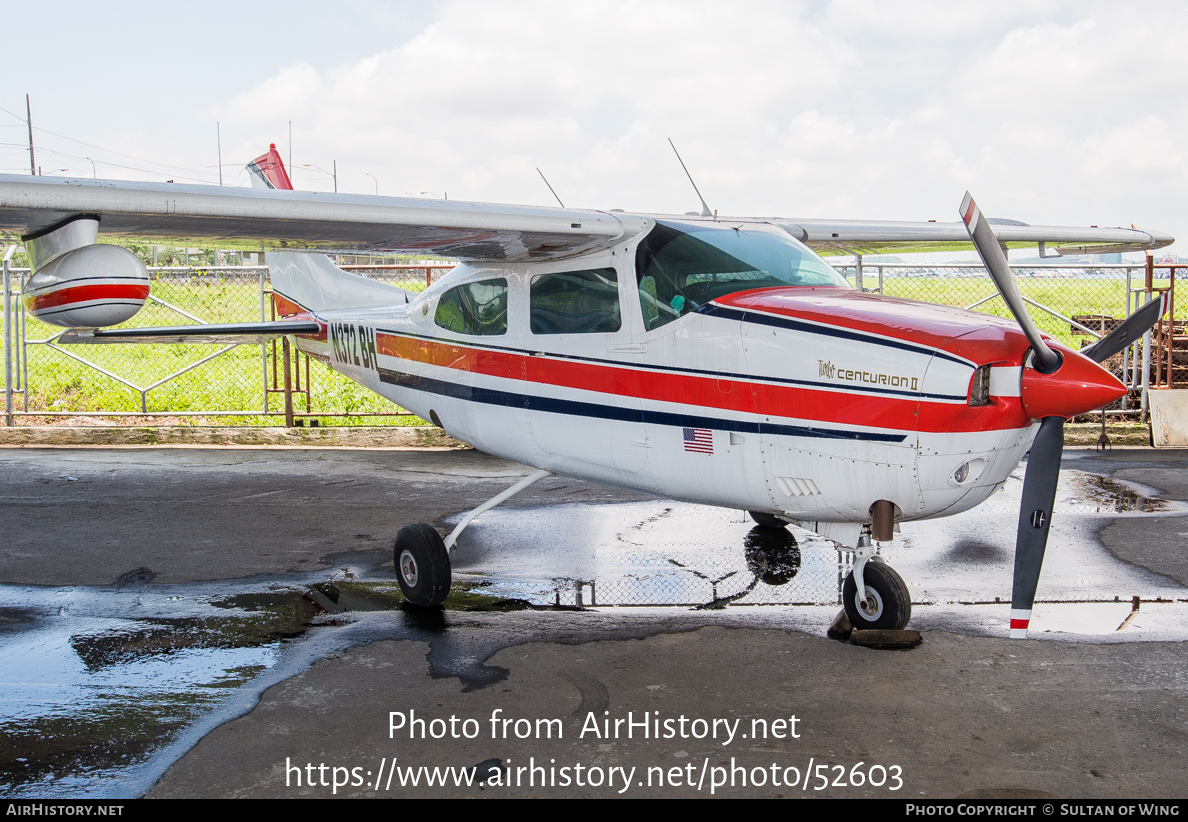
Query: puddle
(94, 681)
(82, 702)
(1118, 497)
(648, 553)
(677, 554)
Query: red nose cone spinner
(1079, 385)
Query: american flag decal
(699, 440)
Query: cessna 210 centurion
(714, 360)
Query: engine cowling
(79, 284)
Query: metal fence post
(8, 314)
(263, 347)
(23, 366)
(1146, 361)
(858, 283)
(288, 357)
(1127, 350)
(1148, 285)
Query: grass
(1070, 296)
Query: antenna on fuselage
(546, 179)
(705, 209)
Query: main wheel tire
(888, 604)
(772, 555)
(767, 520)
(422, 564)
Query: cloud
(1057, 112)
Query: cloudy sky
(1049, 112)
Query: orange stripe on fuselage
(709, 392)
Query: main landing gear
(422, 557)
(767, 520)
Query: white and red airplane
(714, 360)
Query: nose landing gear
(883, 604)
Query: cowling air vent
(979, 387)
(797, 487)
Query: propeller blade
(1127, 332)
(1035, 517)
(1045, 360)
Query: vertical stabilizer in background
(269, 172)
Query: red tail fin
(269, 172)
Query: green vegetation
(1070, 296)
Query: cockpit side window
(478, 308)
(575, 302)
(681, 266)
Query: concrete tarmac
(959, 715)
(83, 516)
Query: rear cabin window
(478, 308)
(576, 302)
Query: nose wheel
(887, 604)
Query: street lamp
(92, 162)
(372, 176)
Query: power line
(44, 150)
(109, 151)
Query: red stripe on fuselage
(846, 408)
(86, 293)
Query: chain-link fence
(232, 383)
(1075, 304)
(241, 384)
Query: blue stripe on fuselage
(492, 396)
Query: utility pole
(219, 138)
(335, 167)
(29, 121)
(290, 144)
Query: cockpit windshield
(681, 266)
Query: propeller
(1056, 385)
(1045, 360)
(1128, 331)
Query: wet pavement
(121, 653)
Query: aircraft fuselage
(810, 402)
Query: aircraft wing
(254, 218)
(262, 218)
(882, 237)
